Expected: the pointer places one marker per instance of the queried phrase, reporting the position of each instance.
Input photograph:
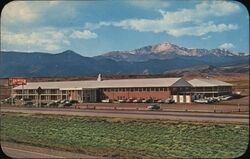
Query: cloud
(47, 38)
(17, 11)
(149, 4)
(226, 46)
(86, 34)
(181, 22)
(44, 39)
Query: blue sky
(95, 27)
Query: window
(132, 89)
(53, 97)
(53, 91)
(161, 89)
(152, 89)
(136, 89)
(140, 89)
(157, 89)
(31, 91)
(148, 89)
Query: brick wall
(143, 94)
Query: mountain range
(165, 51)
(154, 59)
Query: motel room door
(175, 98)
(181, 98)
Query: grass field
(129, 138)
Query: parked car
(121, 101)
(29, 104)
(153, 107)
(52, 104)
(63, 101)
(43, 104)
(137, 101)
(130, 100)
(226, 97)
(160, 101)
(67, 104)
(106, 101)
(203, 100)
(73, 101)
(216, 99)
(169, 101)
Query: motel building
(209, 88)
(178, 89)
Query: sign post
(39, 92)
(16, 82)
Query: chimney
(99, 78)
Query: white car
(226, 97)
(105, 101)
(121, 101)
(205, 101)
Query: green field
(129, 138)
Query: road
(15, 150)
(187, 116)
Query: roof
(121, 83)
(207, 83)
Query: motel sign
(17, 81)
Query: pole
(37, 100)
(22, 91)
(239, 107)
(11, 95)
(39, 105)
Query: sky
(92, 28)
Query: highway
(15, 150)
(187, 116)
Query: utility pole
(12, 95)
(39, 92)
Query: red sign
(17, 81)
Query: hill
(149, 60)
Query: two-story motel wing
(96, 90)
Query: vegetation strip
(129, 138)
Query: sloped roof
(207, 83)
(121, 83)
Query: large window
(53, 91)
(53, 98)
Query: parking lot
(232, 105)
